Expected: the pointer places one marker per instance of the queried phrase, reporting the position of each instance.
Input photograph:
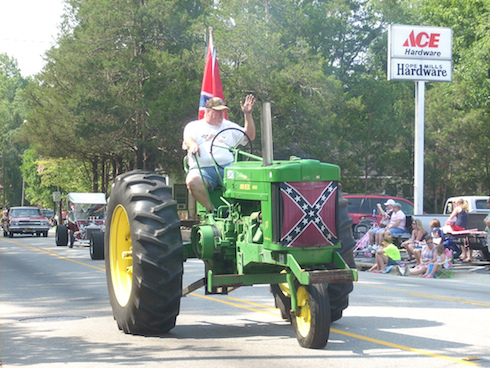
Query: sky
(28, 28)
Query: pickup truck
(25, 220)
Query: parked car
(25, 220)
(364, 206)
(48, 212)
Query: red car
(362, 206)
(25, 220)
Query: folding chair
(448, 270)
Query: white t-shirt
(203, 133)
(398, 216)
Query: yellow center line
(360, 337)
(252, 303)
(51, 253)
(239, 305)
(276, 314)
(405, 348)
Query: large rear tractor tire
(143, 254)
(97, 245)
(61, 236)
(339, 292)
(312, 324)
(282, 300)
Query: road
(54, 311)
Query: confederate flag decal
(309, 214)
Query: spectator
(435, 228)
(487, 229)
(439, 262)
(385, 215)
(459, 217)
(418, 233)
(424, 257)
(396, 225)
(52, 221)
(457, 222)
(385, 220)
(387, 255)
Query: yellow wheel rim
(285, 289)
(120, 253)
(303, 319)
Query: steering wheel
(213, 145)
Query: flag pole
(210, 36)
(211, 83)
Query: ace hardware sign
(419, 53)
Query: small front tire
(312, 324)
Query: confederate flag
(211, 81)
(309, 214)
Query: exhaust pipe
(266, 126)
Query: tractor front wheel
(143, 254)
(312, 322)
(339, 292)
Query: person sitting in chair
(396, 225)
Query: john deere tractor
(282, 223)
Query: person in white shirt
(396, 225)
(199, 134)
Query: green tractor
(282, 223)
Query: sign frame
(426, 50)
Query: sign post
(418, 172)
(421, 54)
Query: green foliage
(12, 114)
(125, 78)
(43, 177)
(104, 89)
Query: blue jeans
(209, 173)
(396, 230)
